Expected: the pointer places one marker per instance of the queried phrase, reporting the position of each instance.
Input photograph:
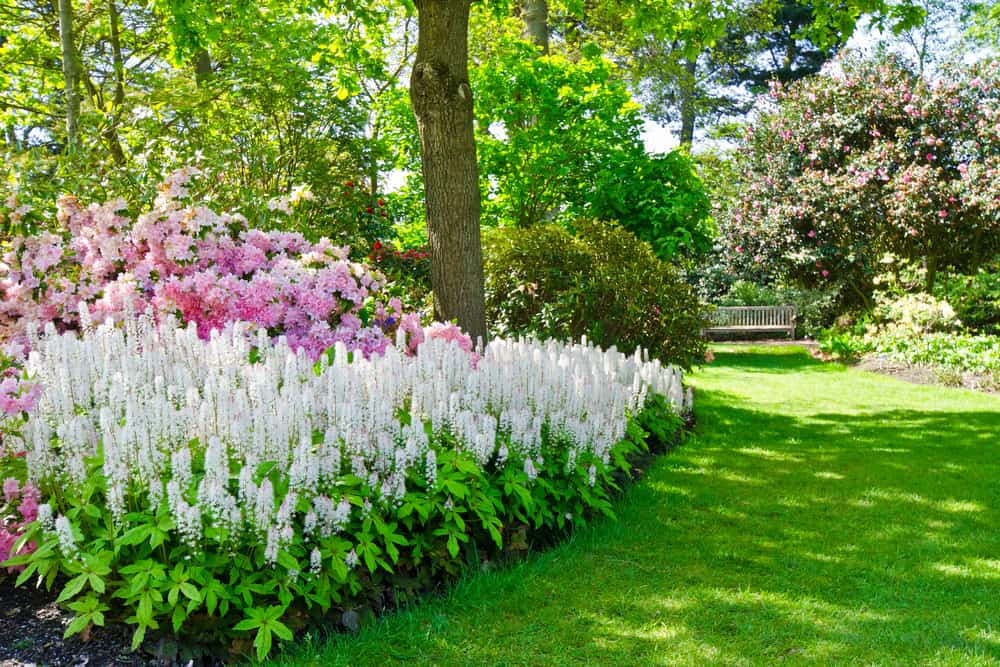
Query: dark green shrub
(975, 298)
(602, 282)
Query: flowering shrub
(18, 508)
(233, 488)
(913, 315)
(18, 396)
(185, 259)
(869, 161)
(407, 270)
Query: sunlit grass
(819, 515)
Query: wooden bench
(752, 319)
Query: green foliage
(975, 298)
(918, 329)
(264, 96)
(661, 200)
(601, 282)
(959, 352)
(561, 140)
(841, 344)
(224, 598)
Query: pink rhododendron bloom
(449, 332)
(11, 489)
(17, 396)
(825, 273)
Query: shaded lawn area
(819, 515)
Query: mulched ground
(31, 630)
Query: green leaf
(263, 643)
(74, 586)
(96, 583)
(138, 636)
(191, 592)
(78, 624)
(281, 630)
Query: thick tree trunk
(688, 112)
(535, 14)
(71, 71)
(442, 104)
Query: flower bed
(232, 490)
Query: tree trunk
(442, 104)
(688, 113)
(118, 102)
(932, 267)
(202, 67)
(535, 14)
(71, 72)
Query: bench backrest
(754, 316)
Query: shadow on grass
(784, 359)
(833, 538)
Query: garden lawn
(818, 515)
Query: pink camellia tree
(849, 166)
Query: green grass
(819, 515)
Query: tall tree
(442, 103)
(535, 14)
(71, 72)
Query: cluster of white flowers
(154, 402)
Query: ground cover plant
(919, 330)
(818, 515)
(234, 490)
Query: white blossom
(158, 403)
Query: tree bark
(932, 268)
(688, 112)
(71, 72)
(442, 103)
(535, 14)
(118, 102)
(202, 67)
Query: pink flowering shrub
(207, 268)
(19, 507)
(869, 161)
(18, 396)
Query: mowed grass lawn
(819, 515)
